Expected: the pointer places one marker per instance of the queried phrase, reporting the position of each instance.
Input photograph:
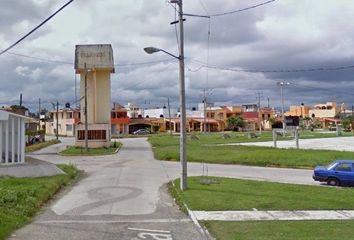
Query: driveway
(123, 196)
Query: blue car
(340, 172)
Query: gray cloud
(282, 35)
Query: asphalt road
(123, 196)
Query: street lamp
(183, 135)
(182, 95)
(281, 84)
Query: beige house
(95, 65)
(67, 120)
(327, 110)
(299, 111)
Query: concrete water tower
(95, 65)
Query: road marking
(152, 233)
(149, 230)
(114, 221)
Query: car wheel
(333, 182)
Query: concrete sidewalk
(273, 215)
(336, 143)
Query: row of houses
(129, 118)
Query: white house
(12, 138)
(159, 113)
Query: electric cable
(37, 27)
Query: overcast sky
(282, 35)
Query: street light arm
(151, 50)
(172, 55)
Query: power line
(40, 59)
(71, 63)
(228, 13)
(339, 68)
(34, 29)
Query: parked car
(141, 132)
(340, 172)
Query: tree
(235, 123)
(346, 122)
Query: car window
(331, 165)
(344, 167)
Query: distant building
(249, 107)
(119, 120)
(159, 112)
(67, 120)
(327, 110)
(133, 110)
(298, 111)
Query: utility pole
(57, 133)
(205, 110)
(169, 115)
(268, 102)
(183, 136)
(183, 139)
(20, 99)
(281, 84)
(85, 111)
(75, 91)
(259, 95)
(39, 114)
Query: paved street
(123, 196)
(120, 196)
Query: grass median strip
(80, 151)
(21, 198)
(281, 230)
(166, 147)
(225, 194)
(39, 146)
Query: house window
(92, 135)
(69, 115)
(69, 127)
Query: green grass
(39, 146)
(166, 147)
(79, 151)
(21, 198)
(282, 230)
(225, 194)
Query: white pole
(23, 141)
(7, 141)
(1, 142)
(13, 135)
(18, 159)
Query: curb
(201, 229)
